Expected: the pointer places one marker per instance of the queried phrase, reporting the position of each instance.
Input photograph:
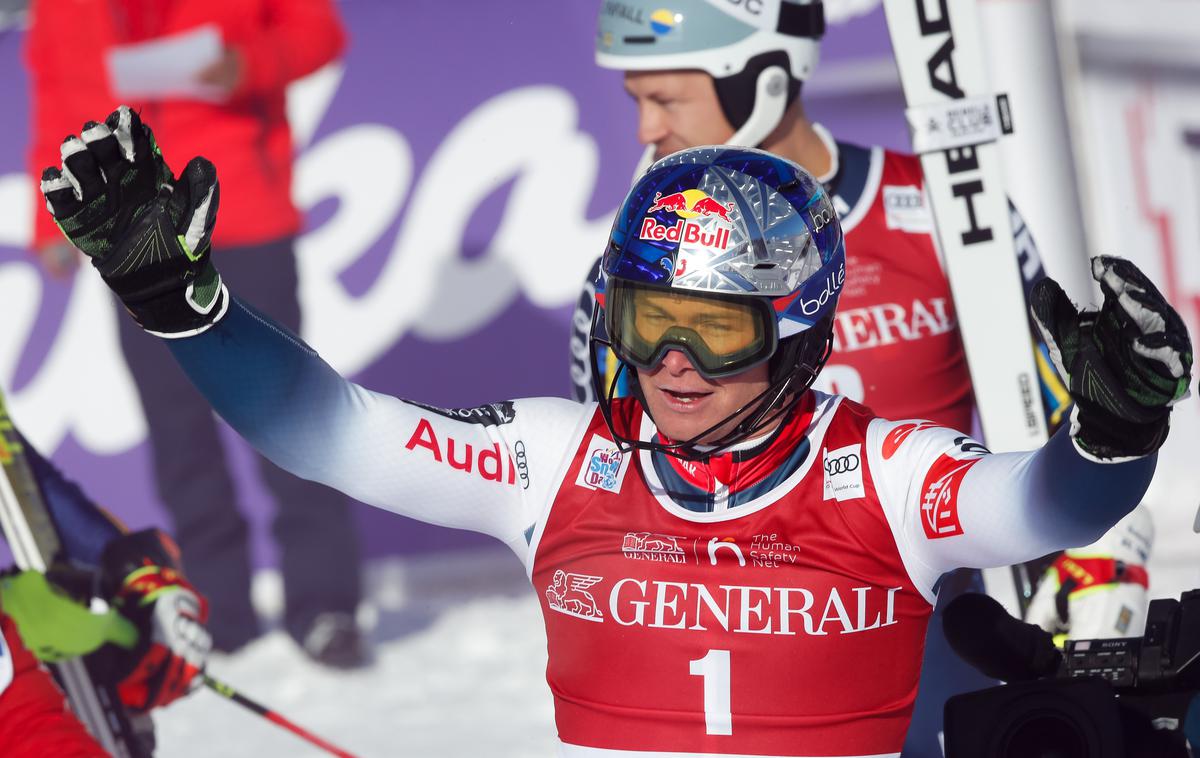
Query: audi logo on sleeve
(843, 473)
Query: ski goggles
(721, 334)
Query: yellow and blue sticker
(662, 21)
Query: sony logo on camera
(1105, 698)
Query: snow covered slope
(459, 671)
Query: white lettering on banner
(888, 323)
(648, 546)
(662, 604)
(424, 285)
(787, 611)
(103, 413)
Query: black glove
(1125, 364)
(147, 234)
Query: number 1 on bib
(713, 668)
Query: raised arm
(455, 467)
(952, 503)
(148, 234)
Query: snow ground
(459, 671)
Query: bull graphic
(672, 202)
(568, 594)
(706, 206)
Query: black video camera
(1111, 698)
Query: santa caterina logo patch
(604, 466)
(939, 492)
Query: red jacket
(247, 137)
(34, 719)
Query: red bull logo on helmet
(689, 205)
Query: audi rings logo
(522, 463)
(842, 464)
(844, 473)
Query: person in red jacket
(32, 707)
(241, 123)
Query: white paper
(166, 66)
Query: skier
(151, 641)
(1100, 590)
(788, 619)
(717, 73)
(720, 73)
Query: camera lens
(1044, 735)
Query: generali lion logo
(568, 594)
(648, 546)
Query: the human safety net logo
(702, 221)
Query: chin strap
(770, 103)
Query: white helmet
(756, 51)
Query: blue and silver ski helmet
(736, 226)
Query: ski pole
(230, 693)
